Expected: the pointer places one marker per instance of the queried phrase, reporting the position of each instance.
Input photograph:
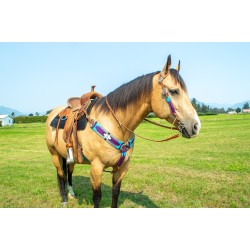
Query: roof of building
(4, 116)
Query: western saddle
(77, 108)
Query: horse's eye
(174, 91)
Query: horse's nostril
(195, 126)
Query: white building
(246, 110)
(6, 120)
(232, 112)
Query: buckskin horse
(108, 138)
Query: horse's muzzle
(186, 134)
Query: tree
(246, 105)
(238, 110)
(37, 114)
(198, 108)
(194, 103)
(230, 109)
(222, 111)
(13, 116)
(30, 115)
(204, 108)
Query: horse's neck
(135, 114)
(132, 116)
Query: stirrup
(70, 157)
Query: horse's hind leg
(117, 181)
(61, 167)
(70, 185)
(62, 183)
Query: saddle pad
(81, 124)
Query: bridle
(168, 100)
(165, 92)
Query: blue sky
(35, 77)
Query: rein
(160, 125)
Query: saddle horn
(93, 88)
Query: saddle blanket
(81, 124)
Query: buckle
(124, 147)
(92, 123)
(160, 79)
(165, 91)
(63, 118)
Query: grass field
(212, 170)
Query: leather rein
(168, 100)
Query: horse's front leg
(96, 172)
(117, 181)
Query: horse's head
(170, 101)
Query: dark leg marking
(62, 182)
(97, 195)
(65, 169)
(70, 172)
(115, 193)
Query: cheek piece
(168, 100)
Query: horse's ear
(167, 66)
(178, 67)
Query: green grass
(212, 170)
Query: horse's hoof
(71, 193)
(70, 196)
(64, 204)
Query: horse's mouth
(184, 132)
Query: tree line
(203, 109)
(30, 119)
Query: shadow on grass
(83, 191)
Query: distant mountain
(239, 105)
(219, 105)
(225, 105)
(9, 111)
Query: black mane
(128, 93)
